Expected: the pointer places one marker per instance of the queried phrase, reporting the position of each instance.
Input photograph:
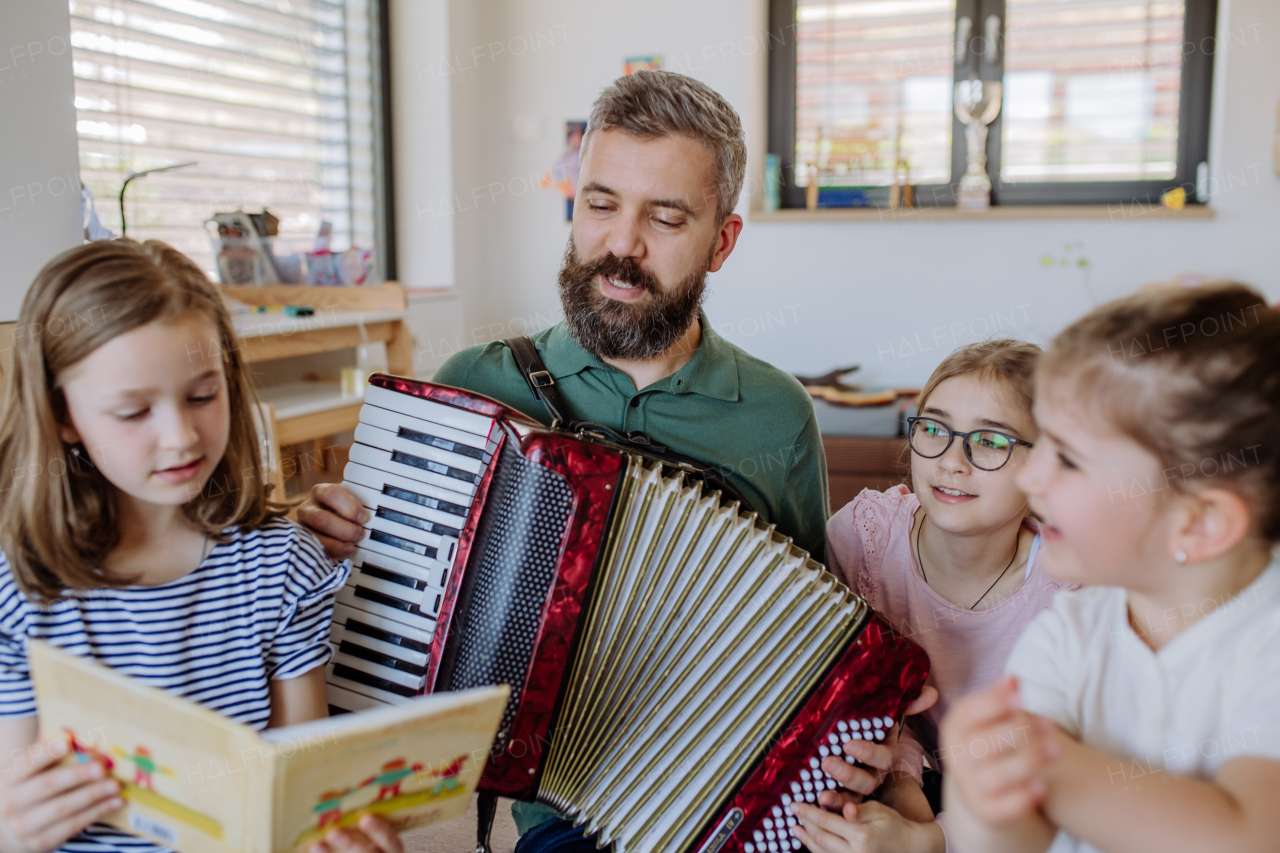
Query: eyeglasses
(986, 449)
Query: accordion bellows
(678, 668)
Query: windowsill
(1005, 213)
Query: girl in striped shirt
(135, 530)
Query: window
(1103, 100)
(276, 101)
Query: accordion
(678, 668)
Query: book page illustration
(410, 769)
(407, 791)
(141, 787)
(185, 772)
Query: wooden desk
(345, 317)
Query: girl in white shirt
(1142, 713)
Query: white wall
(39, 164)
(421, 142)
(893, 297)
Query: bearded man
(661, 169)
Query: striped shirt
(257, 609)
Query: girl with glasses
(951, 561)
(1143, 706)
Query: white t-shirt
(1211, 694)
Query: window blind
(272, 99)
(873, 87)
(1092, 90)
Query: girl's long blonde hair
(59, 516)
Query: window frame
(1194, 105)
(374, 197)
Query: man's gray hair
(650, 104)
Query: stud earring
(1181, 556)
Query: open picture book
(199, 782)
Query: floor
(459, 835)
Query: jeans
(556, 836)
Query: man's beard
(611, 328)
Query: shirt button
(635, 402)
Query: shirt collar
(712, 372)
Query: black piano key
(413, 521)
(442, 443)
(390, 601)
(387, 637)
(356, 651)
(351, 674)
(423, 500)
(376, 571)
(403, 544)
(434, 467)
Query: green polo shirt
(724, 408)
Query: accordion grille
(515, 557)
(705, 634)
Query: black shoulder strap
(543, 386)
(539, 379)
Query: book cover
(199, 782)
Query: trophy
(977, 105)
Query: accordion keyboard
(773, 835)
(415, 466)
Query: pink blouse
(869, 545)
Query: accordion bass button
(842, 725)
(823, 751)
(748, 848)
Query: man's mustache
(625, 270)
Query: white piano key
(342, 614)
(404, 679)
(350, 596)
(375, 457)
(435, 576)
(430, 410)
(340, 635)
(426, 600)
(395, 421)
(349, 700)
(375, 437)
(384, 696)
(383, 541)
(376, 500)
(391, 551)
(423, 494)
(423, 543)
